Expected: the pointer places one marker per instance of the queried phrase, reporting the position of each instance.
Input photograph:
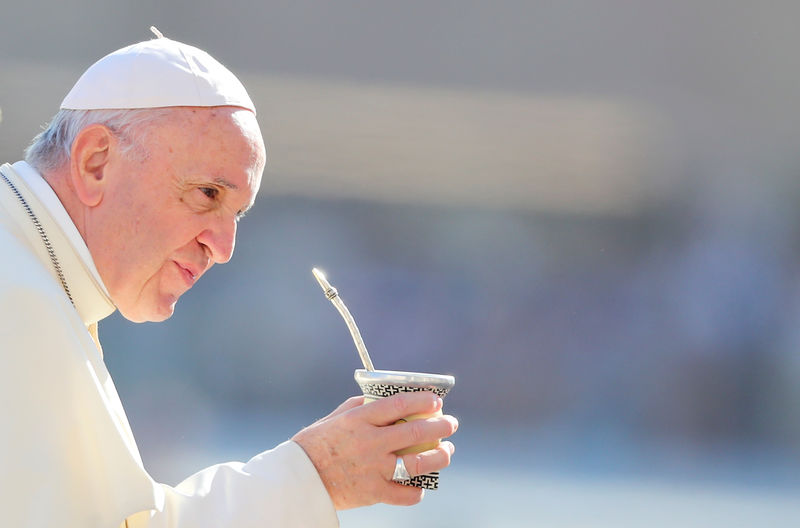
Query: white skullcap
(154, 74)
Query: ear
(89, 159)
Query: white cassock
(67, 455)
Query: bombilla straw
(333, 296)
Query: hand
(353, 448)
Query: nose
(219, 239)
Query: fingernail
(439, 402)
(454, 421)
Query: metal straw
(333, 296)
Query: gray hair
(50, 150)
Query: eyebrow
(225, 183)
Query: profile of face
(170, 212)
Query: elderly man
(124, 201)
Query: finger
(350, 403)
(388, 410)
(402, 495)
(415, 432)
(418, 464)
(429, 461)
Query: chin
(148, 314)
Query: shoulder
(33, 306)
(21, 270)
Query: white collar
(50, 201)
(95, 302)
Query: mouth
(188, 272)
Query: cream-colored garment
(66, 450)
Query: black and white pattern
(382, 390)
(429, 481)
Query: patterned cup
(377, 384)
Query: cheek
(155, 232)
(144, 246)
(174, 235)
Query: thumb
(350, 403)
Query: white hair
(50, 150)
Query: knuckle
(417, 431)
(400, 404)
(346, 419)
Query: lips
(189, 272)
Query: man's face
(164, 220)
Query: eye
(210, 192)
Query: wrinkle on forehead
(242, 118)
(203, 118)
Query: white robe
(67, 454)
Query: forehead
(223, 144)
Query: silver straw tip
(330, 291)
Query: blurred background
(585, 211)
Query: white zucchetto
(157, 73)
